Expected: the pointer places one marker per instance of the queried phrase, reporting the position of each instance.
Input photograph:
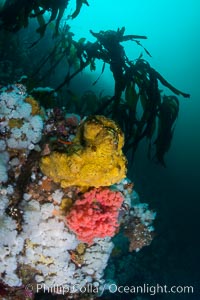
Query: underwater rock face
(41, 244)
(95, 157)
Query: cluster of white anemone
(14, 107)
(23, 135)
(46, 242)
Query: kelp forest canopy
(137, 104)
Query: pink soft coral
(95, 215)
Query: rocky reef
(64, 194)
